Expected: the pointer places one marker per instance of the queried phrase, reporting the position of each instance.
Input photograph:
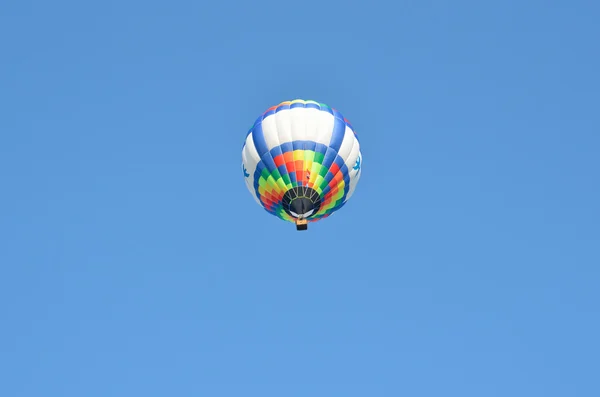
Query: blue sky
(135, 262)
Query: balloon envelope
(301, 160)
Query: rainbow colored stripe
(301, 167)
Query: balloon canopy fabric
(301, 161)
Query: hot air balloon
(301, 161)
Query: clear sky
(134, 262)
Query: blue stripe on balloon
(347, 180)
(259, 168)
(286, 147)
(329, 176)
(268, 161)
(343, 167)
(329, 157)
(259, 140)
(310, 145)
(282, 169)
(301, 145)
(321, 148)
(337, 136)
(346, 183)
(276, 151)
(344, 171)
(257, 173)
(337, 114)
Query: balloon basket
(301, 224)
